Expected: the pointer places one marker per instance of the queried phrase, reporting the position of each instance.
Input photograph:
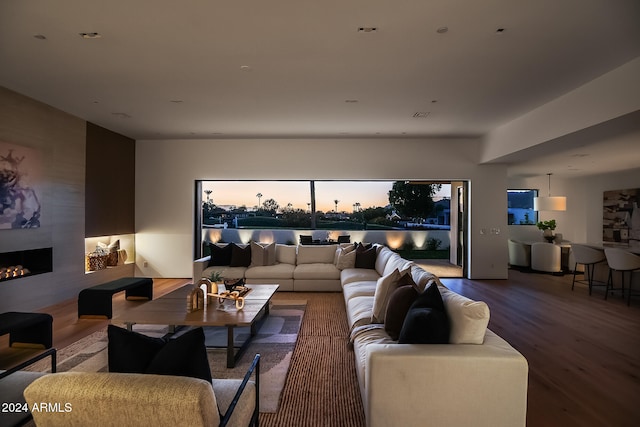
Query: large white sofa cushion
(316, 271)
(382, 258)
(350, 275)
(395, 262)
(468, 318)
(423, 278)
(276, 271)
(225, 271)
(359, 289)
(286, 254)
(359, 311)
(316, 254)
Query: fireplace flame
(13, 271)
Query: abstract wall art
(621, 216)
(20, 172)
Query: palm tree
(208, 193)
(259, 196)
(336, 202)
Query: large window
(332, 205)
(520, 207)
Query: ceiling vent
(421, 114)
(367, 29)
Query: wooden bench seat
(96, 300)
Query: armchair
(117, 399)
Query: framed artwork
(20, 172)
(621, 217)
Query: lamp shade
(555, 203)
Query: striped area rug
(321, 387)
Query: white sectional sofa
(477, 379)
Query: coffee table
(171, 310)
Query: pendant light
(549, 203)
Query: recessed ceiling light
(500, 31)
(442, 30)
(367, 29)
(40, 36)
(245, 68)
(90, 35)
(122, 115)
(176, 101)
(351, 101)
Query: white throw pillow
(346, 259)
(468, 318)
(385, 286)
(262, 254)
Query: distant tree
(369, 214)
(298, 218)
(270, 206)
(413, 200)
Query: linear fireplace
(18, 264)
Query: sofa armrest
(446, 385)
(199, 266)
(98, 398)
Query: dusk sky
(367, 193)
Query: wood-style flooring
(583, 351)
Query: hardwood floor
(583, 352)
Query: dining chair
(344, 239)
(546, 257)
(622, 261)
(519, 254)
(589, 257)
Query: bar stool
(623, 261)
(588, 257)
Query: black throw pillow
(184, 356)
(130, 352)
(426, 321)
(133, 352)
(365, 257)
(220, 255)
(240, 257)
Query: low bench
(96, 300)
(31, 330)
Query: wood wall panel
(110, 183)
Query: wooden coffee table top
(171, 309)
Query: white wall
(166, 171)
(612, 95)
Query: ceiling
(309, 69)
